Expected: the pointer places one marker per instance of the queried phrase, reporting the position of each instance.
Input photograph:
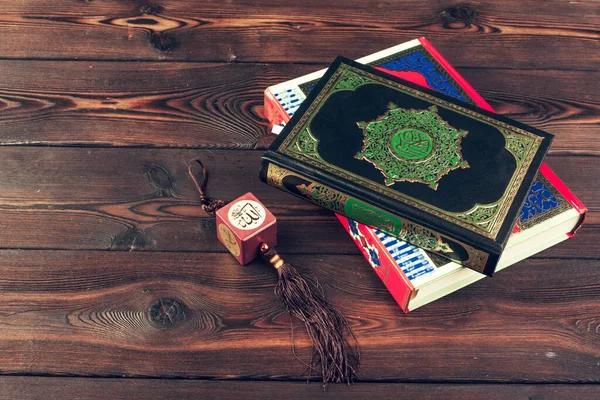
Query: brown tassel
(327, 328)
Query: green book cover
(424, 167)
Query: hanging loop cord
(210, 206)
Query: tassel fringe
(327, 328)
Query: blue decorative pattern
(418, 62)
(371, 251)
(374, 257)
(539, 200)
(353, 228)
(289, 100)
(410, 259)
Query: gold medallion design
(412, 146)
(229, 240)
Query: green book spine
(392, 224)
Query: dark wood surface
(125, 389)
(102, 103)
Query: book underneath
(551, 214)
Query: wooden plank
(143, 199)
(220, 105)
(511, 33)
(31, 388)
(90, 314)
(93, 314)
(69, 229)
(130, 104)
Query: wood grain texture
(502, 34)
(33, 388)
(88, 314)
(109, 269)
(143, 199)
(221, 105)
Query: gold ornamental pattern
(483, 219)
(412, 146)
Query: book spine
(273, 109)
(291, 181)
(381, 261)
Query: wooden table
(102, 103)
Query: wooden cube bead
(243, 225)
